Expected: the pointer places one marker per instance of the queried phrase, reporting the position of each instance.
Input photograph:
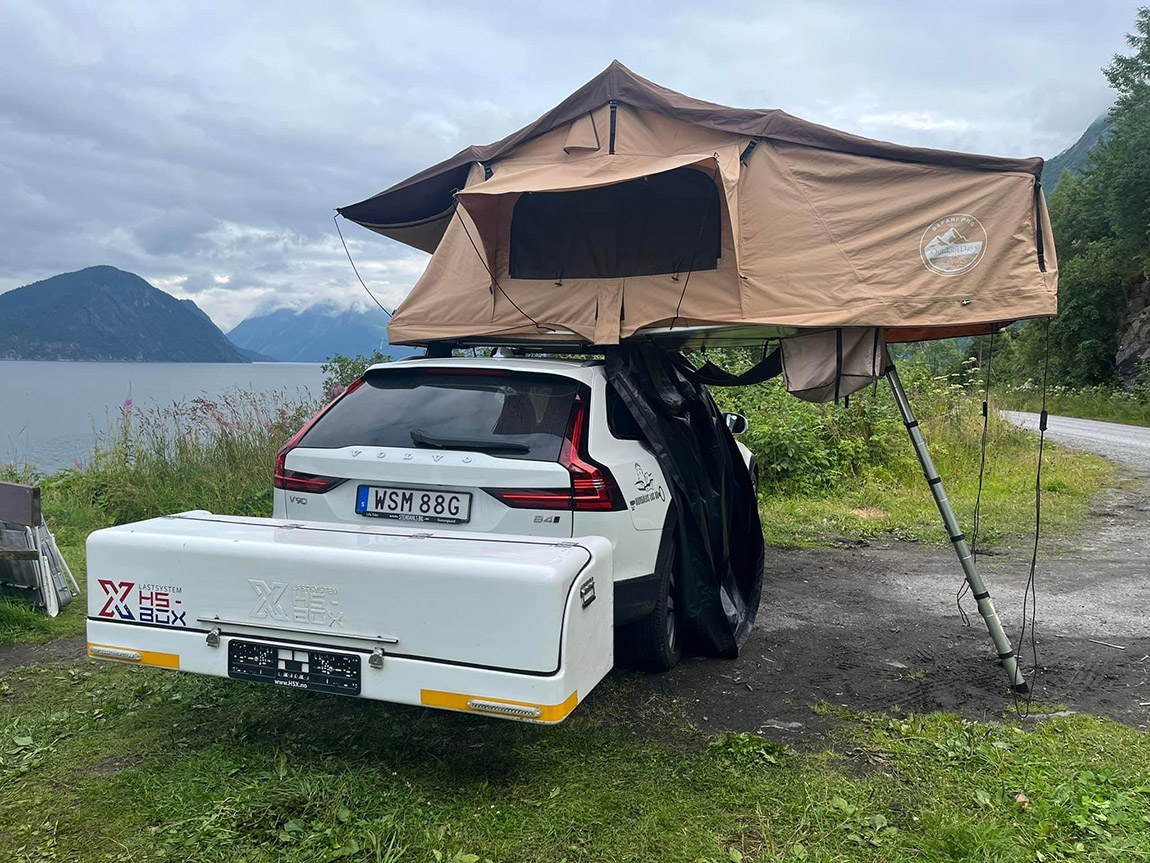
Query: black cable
(335, 219)
(964, 588)
(698, 242)
(1030, 594)
(494, 280)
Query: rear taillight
(593, 489)
(592, 486)
(293, 480)
(532, 498)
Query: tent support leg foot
(958, 539)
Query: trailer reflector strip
(509, 709)
(498, 706)
(127, 654)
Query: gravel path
(1129, 445)
(874, 627)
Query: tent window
(641, 227)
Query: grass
(834, 473)
(20, 622)
(903, 507)
(107, 763)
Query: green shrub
(340, 370)
(809, 448)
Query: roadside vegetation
(216, 455)
(832, 473)
(1107, 403)
(1013, 387)
(828, 473)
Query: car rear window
(511, 415)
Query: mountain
(253, 356)
(256, 356)
(101, 313)
(312, 335)
(1073, 158)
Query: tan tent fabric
(816, 229)
(582, 135)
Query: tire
(655, 642)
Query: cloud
(205, 144)
(918, 121)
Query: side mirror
(736, 423)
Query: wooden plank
(20, 504)
(18, 553)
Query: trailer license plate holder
(316, 670)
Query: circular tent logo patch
(953, 245)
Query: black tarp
(719, 540)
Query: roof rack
(674, 338)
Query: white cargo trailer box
(517, 627)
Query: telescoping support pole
(958, 539)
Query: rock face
(101, 313)
(1134, 335)
(316, 333)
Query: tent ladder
(958, 539)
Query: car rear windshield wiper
(429, 441)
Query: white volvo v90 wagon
(506, 445)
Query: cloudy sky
(205, 144)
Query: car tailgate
(474, 599)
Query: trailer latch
(587, 592)
(376, 658)
(213, 638)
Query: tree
(1121, 165)
(1077, 216)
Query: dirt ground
(875, 627)
(62, 649)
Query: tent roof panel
(428, 193)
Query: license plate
(413, 504)
(317, 670)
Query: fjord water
(52, 413)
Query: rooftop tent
(630, 208)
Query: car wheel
(655, 642)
